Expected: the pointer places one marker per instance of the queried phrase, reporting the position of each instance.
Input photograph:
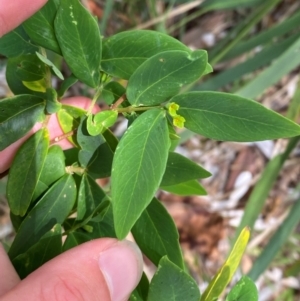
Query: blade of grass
(265, 37)
(261, 190)
(261, 59)
(246, 26)
(170, 14)
(108, 8)
(276, 242)
(288, 61)
(229, 4)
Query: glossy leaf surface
(156, 234)
(25, 171)
(192, 187)
(47, 62)
(181, 169)
(97, 124)
(124, 52)
(53, 169)
(161, 76)
(16, 43)
(172, 283)
(95, 154)
(17, 116)
(228, 117)
(224, 275)
(244, 290)
(36, 86)
(40, 27)
(30, 68)
(90, 196)
(141, 157)
(13, 76)
(68, 118)
(66, 84)
(52, 104)
(53, 208)
(80, 42)
(48, 247)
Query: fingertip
(122, 267)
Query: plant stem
(75, 169)
(48, 72)
(96, 96)
(118, 102)
(64, 136)
(135, 109)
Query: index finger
(13, 13)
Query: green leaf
(112, 92)
(75, 239)
(17, 116)
(48, 247)
(30, 68)
(161, 76)
(16, 43)
(95, 154)
(172, 283)
(52, 104)
(80, 42)
(69, 118)
(13, 75)
(156, 234)
(111, 139)
(36, 86)
(192, 187)
(181, 169)
(228, 117)
(90, 196)
(103, 224)
(124, 52)
(53, 169)
(51, 65)
(25, 171)
(98, 123)
(40, 27)
(141, 157)
(224, 275)
(16, 220)
(244, 290)
(100, 226)
(53, 208)
(66, 84)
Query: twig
(175, 12)
(118, 102)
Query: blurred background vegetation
(254, 48)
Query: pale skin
(103, 269)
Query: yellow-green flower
(172, 108)
(178, 121)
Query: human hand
(103, 269)
(10, 17)
(13, 13)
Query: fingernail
(122, 267)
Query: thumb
(102, 269)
